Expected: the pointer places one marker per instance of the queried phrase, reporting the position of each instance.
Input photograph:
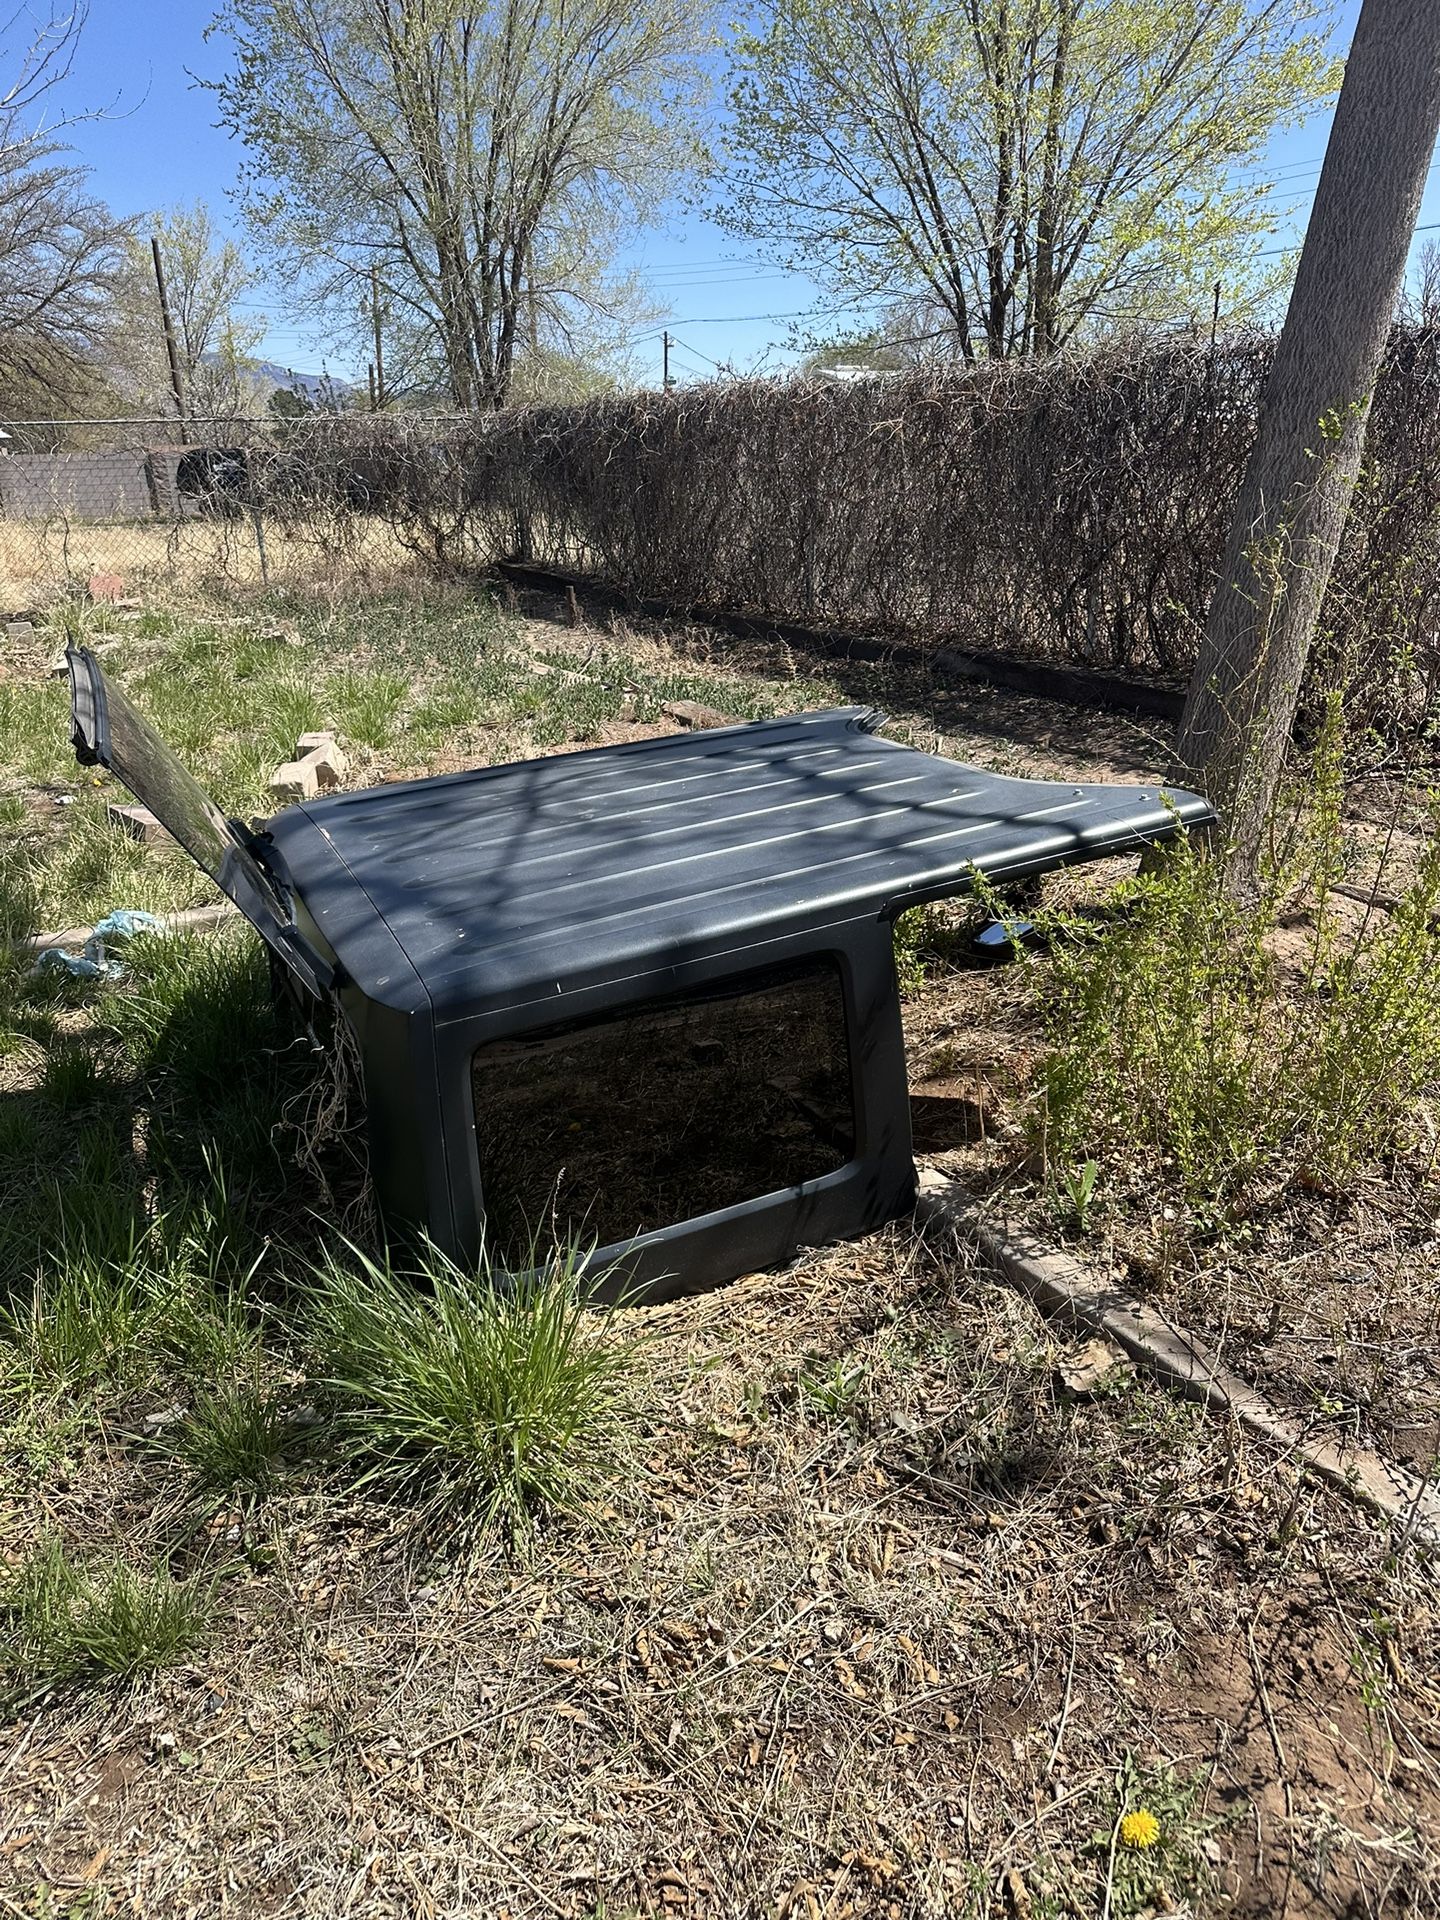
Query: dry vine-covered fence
(1073, 510)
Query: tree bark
(1288, 518)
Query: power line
(685, 347)
(688, 366)
(723, 320)
(1302, 192)
(1270, 253)
(805, 313)
(670, 281)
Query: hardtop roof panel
(552, 874)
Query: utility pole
(377, 385)
(177, 385)
(1311, 428)
(665, 362)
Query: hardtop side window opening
(601, 1130)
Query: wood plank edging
(188, 920)
(1062, 1289)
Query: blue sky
(157, 144)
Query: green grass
(143, 1101)
(63, 1620)
(34, 726)
(197, 1008)
(367, 706)
(83, 1320)
(71, 872)
(172, 1299)
(237, 1435)
(72, 1076)
(483, 1400)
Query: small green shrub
(62, 1621)
(487, 1399)
(837, 1391)
(921, 936)
(1179, 1041)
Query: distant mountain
(314, 386)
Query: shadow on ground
(1049, 736)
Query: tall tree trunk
(1046, 336)
(1297, 487)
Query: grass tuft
(485, 1399)
(124, 1303)
(195, 1007)
(81, 1320)
(61, 1621)
(71, 1076)
(236, 1435)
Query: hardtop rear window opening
(677, 1107)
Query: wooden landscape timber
(1065, 1290)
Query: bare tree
(61, 250)
(1420, 303)
(1311, 428)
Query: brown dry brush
(1074, 510)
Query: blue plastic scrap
(93, 962)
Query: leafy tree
(208, 281)
(465, 167)
(1019, 172)
(61, 250)
(288, 403)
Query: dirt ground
(882, 1621)
(883, 1614)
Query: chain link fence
(1066, 510)
(235, 502)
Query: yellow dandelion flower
(1139, 1828)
